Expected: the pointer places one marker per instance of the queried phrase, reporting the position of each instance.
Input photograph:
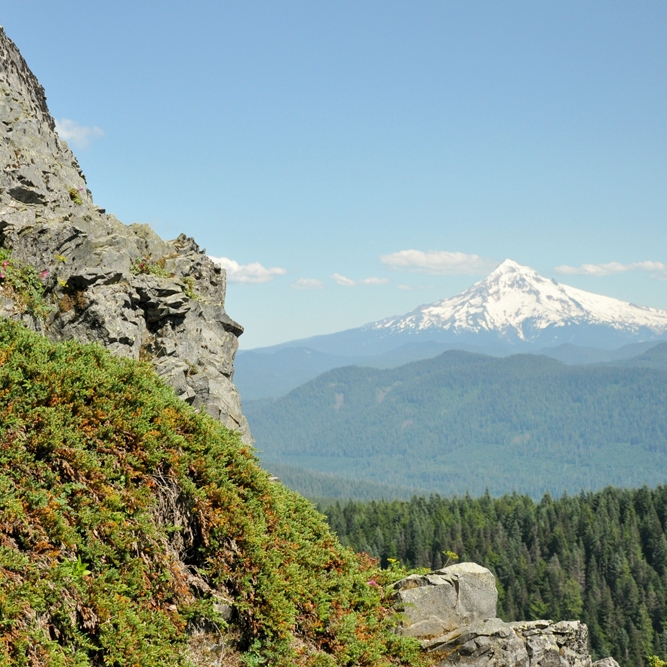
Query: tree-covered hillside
(654, 357)
(136, 532)
(465, 422)
(598, 557)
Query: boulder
(453, 597)
(490, 642)
(606, 662)
(453, 612)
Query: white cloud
(307, 283)
(248, 273)
(373, 281)
(347, 282)
(343, 281)
(657, 268)
(77, 135)
(438, 262)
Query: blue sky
(312, 144)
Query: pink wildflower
(44, 273)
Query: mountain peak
(511, 268)
(515, 303)
(509, 265)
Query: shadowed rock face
(118, 285)
(485, 643)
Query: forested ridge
(465, 421)
(598, 557)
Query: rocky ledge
(70, 270)
(453, 612)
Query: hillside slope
(135, 531)
(464, 422)
(655, 357)
(271, 374)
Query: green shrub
(88, 443)
(74, 195)
(189, 289)
(151, 267)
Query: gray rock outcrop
(450, 598)
(606, 662)
(493, 643)
(118, 285)
(453, 612)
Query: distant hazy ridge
(464, 422)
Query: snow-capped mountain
(514, 309)
(517, 304)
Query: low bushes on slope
(125, 517)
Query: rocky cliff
(70, 270)
(453, 612)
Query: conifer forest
(600, 557)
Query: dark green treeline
(598, 557)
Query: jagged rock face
(549, 644)
(493, 643)
(118, 285)
(38, 169)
